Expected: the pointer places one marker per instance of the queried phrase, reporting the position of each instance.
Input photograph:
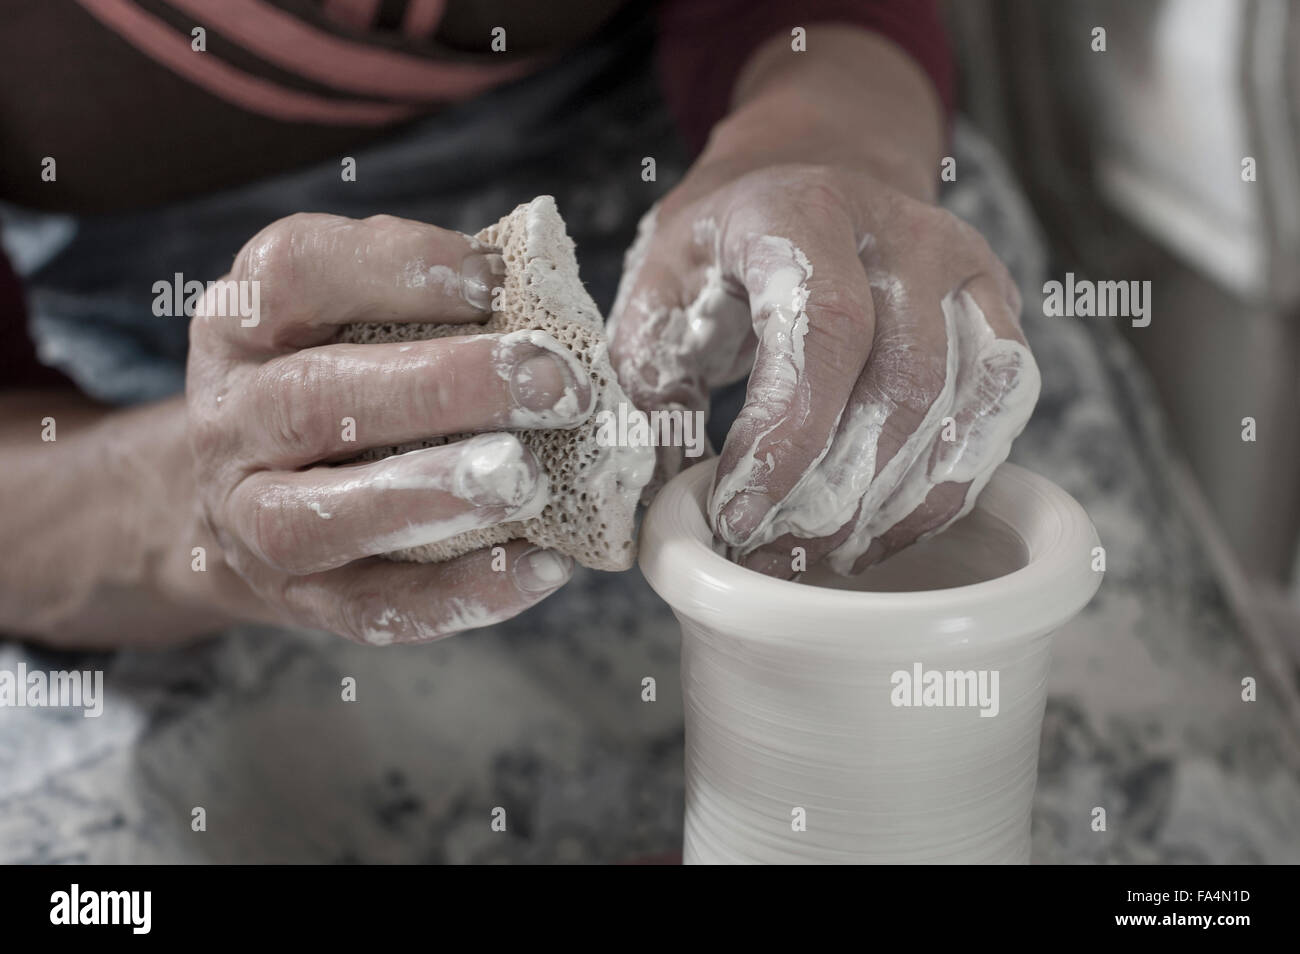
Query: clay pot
(895, 718)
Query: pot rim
(1054, 584)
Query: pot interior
(978, 548)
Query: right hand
(266, 404)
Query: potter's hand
(271, 401)
(887, 370)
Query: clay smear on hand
(990, 387)
(778, 383)
(670, 356)
(544, 307)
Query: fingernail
(479, 275)
(495, 470)
(539, 383)
(540, 571)
(546, 381)
(742, 516)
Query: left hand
(887, 370)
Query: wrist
(177, 557)
(106, 557)
(861, 103)
(750, 139)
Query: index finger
(814, 319)
(305, 275)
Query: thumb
(675, 333)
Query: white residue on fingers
(380, 630)
(456, 615)
(418, 273)
(495, 470)
(569, 409)
(671, 355)
(990, 387)
(492, 473)
(990, 395)
(781, 271)
(891, 288)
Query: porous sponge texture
(594, 488)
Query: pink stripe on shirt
(291, 44)
(422, 18)
(357, 15)
(159, 41)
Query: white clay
(491, 472)
(799, 748)
(457, 615)
(778, 381)
(544, 303)
(566, 412)
(990, 387)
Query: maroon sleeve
(703, 44)
(19, 366)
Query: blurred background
(1148, 138)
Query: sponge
(594, 487)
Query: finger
(396, 393)
(891, 417)
(989, 395)
(310, 273)
(325, 517)
(815, 321)
(918, 392)
(997, 388)
(788, 555)
(941, 506)
(380, 603)
(652, 351)
(668, 346)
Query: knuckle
(292, 392)
(771, 197)
(369, 619)
(206, 433)
(270, 531)
(840, 306)
(385, 221)
(920, 225)
(278, 256)
(271, 254)
(908, 374)
(821, 192)
(962, 241)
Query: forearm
(97, 537)
(852, 99)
